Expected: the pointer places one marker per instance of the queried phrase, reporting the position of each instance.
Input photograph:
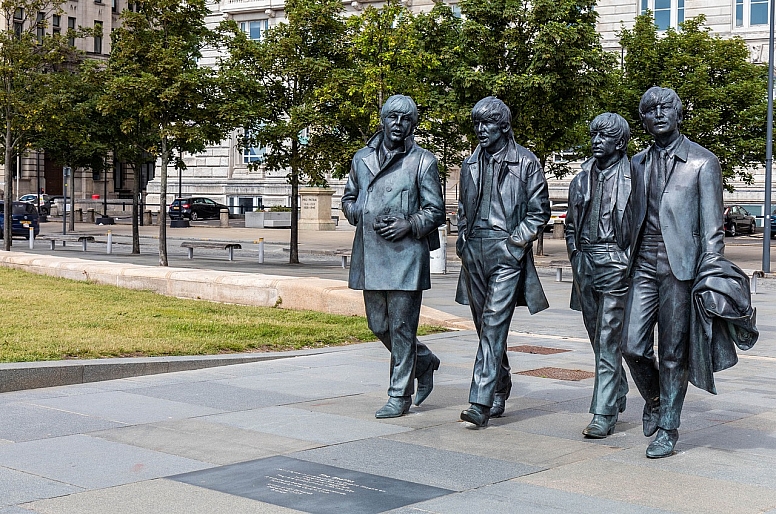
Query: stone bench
(218, 245)
(67, 239)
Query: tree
(279, 82)
(723, 94)
(25, 61)
(544, 60)
(158, 90)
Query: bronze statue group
(645, 239)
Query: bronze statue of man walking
(394, 198)
(503, 205)
(597, 240)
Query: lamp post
(769, 150)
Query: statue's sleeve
(571, 219)
(350, 198)
(711, 207)
(432, 205)
(537, 212)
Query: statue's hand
(393, 229)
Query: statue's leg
(403, 316)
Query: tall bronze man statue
(502, 207)
(394, 198)
(676, 211)
(597, 240)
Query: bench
(67, 239)
(343, 254)
(218, 245)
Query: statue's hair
(493, 110)
(660, 95)
(400, 104)
(612, 124)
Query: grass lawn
(46, 318)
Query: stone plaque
(315, 209)
(311, 487)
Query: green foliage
(543, 59)
(724, 95)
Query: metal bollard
(559, 274)
(110, 242)
(753, 284)
(261, 250)
(32, 237)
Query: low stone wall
(307, 293)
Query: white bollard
(439, 256)
(32, 237)
(110, 242)
(261, 250)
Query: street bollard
(224, 218)
(438, 258)
(261, 250)
(559, 274)
(32, 237)
(110, 242)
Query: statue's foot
(601, 426)
(426, 381)
(650, 419)
(499, 404)
(663, 445)
(396, 406)
(477, 414)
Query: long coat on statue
(406, 186)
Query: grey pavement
(297, 433)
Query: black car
(195, 208)
(738, 220)
(24, 216)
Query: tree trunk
(136, 207)
(294, 246)
(8, 204)
(163, 205)
(540, 243)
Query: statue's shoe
(426, 381)
(663, 445)
(601, 426)
(499, 404)
(476, 414)
(396, 406)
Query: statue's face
(397, 126)
(492, 135)
(605, 145)
(662, 119)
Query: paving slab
(27, 422)
(91, 462)
(514, 497)
(20, 487)
(423, 464)
(125, 407)
(306, 425)
(204, 441)
(154, 497)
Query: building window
(18, 22)
(98, 37)
(751, 12)
(667, 13)
(255, 29)
(40, 27)
(71, 27)
(56, 21)
(254, 154)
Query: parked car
(24, 215)
(43, 202)
(738, 220)
(195, 208)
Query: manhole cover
(540, 350)
(558, 373)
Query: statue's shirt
(605, 232)
(496, 219)
(657, 182)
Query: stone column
(315, 210)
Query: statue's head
(492, 123)
(609, 136)
(399, 117)
(661, 111)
